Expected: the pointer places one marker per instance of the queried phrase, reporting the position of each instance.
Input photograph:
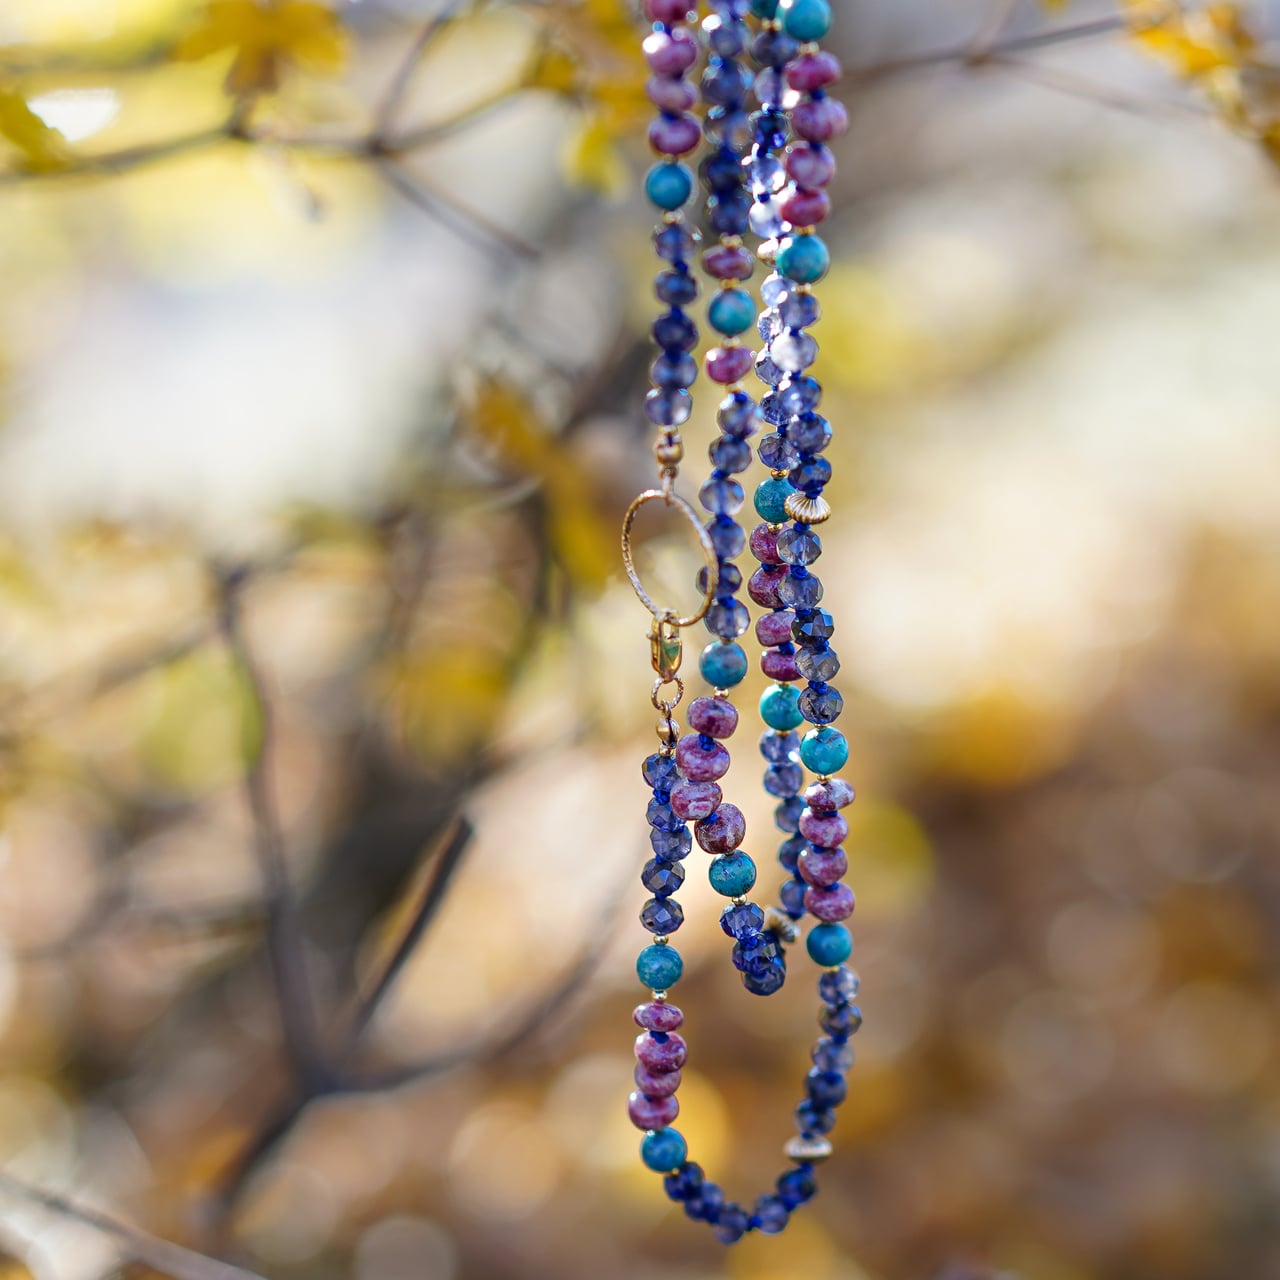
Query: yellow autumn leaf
(592, 159)
(556, 69)
(264, 37)
(43, 148)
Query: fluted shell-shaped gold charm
(808, 1150)
(778, 920)
(806, 510)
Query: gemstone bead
(791, 896)
(675, 243)
(799, 396)
(659, 968)
(706, 1206)
(798, 546)
(742, 920)
(723, 665)
(726, 537)
(804, 259)
(685, 1183)
(660, 772)
(702, 759)
(657, 1015)
(732, 1224)
(725, 35)
(797, 1187)
(821, 704)
(805, 20)
(778, 664)
(676, 289)
(714, 716)
(729, 364)
(652, 1113)
(668, 185)
(674, 96)
(811, 1118)
(733, 875)
(659, 814)
(830, 904)
(720, 496)
(811, 475)
(728, 619)
(664, 1150)
(771, 499)
(818, 665)
(726, 83)
(779, 707)
(730, 455)
(674, 331)
(661, 1053)
(777, 452)
(674, 135)
(667, 12)
(656, 1084)
(825, 829)
(763, 585)
(668, 408)
(786, 814)
(738, 415)
(823, 867)
(800, 589)
(804, 208)
(829, 944)
(826, 1088)
(813, 71)
(830, 1055)
(766, 979)
(824, 750)
(771, 1215)
(670, 53)
(779, 748)
(673, 371)
(728, 262)
(766, 9)
(774, 628)
(723, 830)
(732, 311)
(672, 845)
(764, 545)
(793, 352)
(783, 779)
(662, 915)
(827, 797)
(820, 119)
(843, 1021)
(815, 625)
(789, 851)
(811, 166)
(840, 986)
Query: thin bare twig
(140, 1246)
(403, 78)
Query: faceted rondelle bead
(826, 1088)
(723, 665)
(660, 771)
(659, 967)
(742, 920)
(823, 867)
(674, 371)
(824, 750)
(674, 331)
(663, 1150)
(716, 717)
(798, 545)
(661, 1053)
(805, 20)
(702, 759)
(786, 815)
(732, 875)
(829, 944)
(797, 1187)
(770, 1215)
(779, 748)
(723, 831)
(732, 311)
(813, 626)
(662, 915)
(826, 829)
(726, 536)
(729, 364)
(657, 1015)
(730, 455)
(828, 796)
(668, 408)
(799, 310)
(652, 1113)
(685, 1183)
(783, 779)
(830, 904)
(800, 589)
(818, 665)
(668, 185)
(732, 1224)
(777, 452)
(662, 878)
(840, 986)
(771, 499)
(804, 259)
(811, 1118)
(676, 289)
(831, 1055)
(779, 707)
(721, 496)
(800, 395)
(672, 845)
(656, 1084)
(843, 1021)
(774, 628)
(728, 618)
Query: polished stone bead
(668, 185)
(733, 875)
(783, 780)
(832, 1055)
(812, 475)
(779, 664)
(843, 1021)
(668, 408)
(767, 978)
(660, 772)
(729, 127)
(723, 830)
(673, 372)
(727, 537)
(726, 38)
(824, 750)
(780, 748)
(789, 852)
(729, 364)
(799, 310)
(800, 589)
(652, 1113)
(730, 455)
(803, 258)
(722, 497)
(765, 9)
(826, 1088)
(667, 12)
(811, 166)
(827, 797)
(660, 815)
(723, 665)
(701, 759)
(661, 1051)
(658, 1015)
(820, 119)
(827, 830)
(774, 628)
(726, 83)
(779, 707)
(797, 545)
(830, 904)
(661, 877)
(763, 585)
(729, 214)
(791, 897)
(738, 416)
(675, 331)
(777, 452)
(770, 499)
(817, 665)
(727, 580)
(821, 704)
(764, 545)
(692, 801)
(794, 351)
(797, 1187)
(664, 1150)
(714, 716)
(671, 845)
(721, 171)
(770, 1215)
(732, 311)
(815, 625)
(829, 944)
(674, 135)
(772, 412)
(805, 20)
(742, 920)
(732, 1224)
(675, 243)
(657, 1084)
(677, 289)
(706, 1206)
(662, 915)
(823, 866)
(728, 619)
(673, 96)
(786, 815)
(670, 53)
(728, 262)
(799, 396)
(803, 208)
(685, 1183)
(813, 1119)
(839, 987)
(813, 71)
(659, 967)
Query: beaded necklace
(755, 183)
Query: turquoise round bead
(659, 967)
(766, 9)
(732, 311)
(771, 499)
(780, 707)
(664, 1150)
(829, 944)
(668, 185)
(824, 750)
(805, 20)
(804, 259)
(733, 875)
(723, 665)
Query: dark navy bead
(728, 126)
(783, 780)
(843, 1021)
(779, 748)
(755, 952)
(707, 1204)
(767, 371)
(673, 372)
(773, 48)
(730, 455)
(813, 474)
(826, 1088)
(797, 1186)
(800, 592)
(799, 310)
(791, 898)
(685, 1183)
(838, 987)
(801, 395)
(662, 878)
(818, 625)
(811, 1119)
(733, 1224)
(798, 545)
(770, 1215)
(730, 214)
(810, 432)
(676, 288)
(728, 581)
(674, 242)
(789, 852)
(832, 1055)
(662, 816)
(786, 816)
(777, 452)
(821, 705)
(662, 915)
(766, 979)
(738, 416)
(722, 171)
(817, 664)
(668, 408)
(772, 412)
(728, 619)
(725, 39)
(727, 537)
(675, 331)
(726, 83)
(743, 920)
(660, 771)
(671, 845)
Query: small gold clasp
(665, 647)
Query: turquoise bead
(824, 750)
(732, 311)
(659, 967)
(766, 9)
(804, 259)
(733, 875)
(664, 1150)
(780, 707)
(668, 185)
(771, 499)
(723, 665)
(805, 20)
(829, 944)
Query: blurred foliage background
(321, 345)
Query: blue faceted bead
(826, 1088)
(742, 920)
(722, 171)
(664, 1150)
(726, 83)
(824, 751)
(771, 499)
(809, 432)
(661, 877)
(662, 816)
(707, 1204)
(812, 1119)
(730, 213)
(832, 1055)
(794, 350)
(780, 748)
(800, 395)
(728, 454)
(727, 537)
(738, 415)
(817, 663)
(821, 704)
(783, 780)
(771, 410)
(732, 875)
(773, 290)
(685, 1183)
(771, 1215)
(732, 1224)
(829, 944)
(777, 452)
(767, 978)
(767, 173)
(660, 771)
(676, 288)
(817, 625)
(839, 986)
(722, 497)
(675, 331)
(843, 1021)
(805, 20)
(789, 852)
(728, 126)
(668, 408)
(723, 665)
(811, 475)
(728, 580)
(662, 915)
(798, 545)
(797, 1186)
(791, 898)
(799, 310)
(675, 242)
(671, 845)
(786, 816)
(673, 372)
(800, 589)
(766, 220)
(728, 619)
(658, 968)
(767, 371)
(668, 184)
(725, 38)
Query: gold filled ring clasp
(671, 499)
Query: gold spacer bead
(808, 1150)
(805, 510)
(779, 475)
(669, 453)
(660, 939)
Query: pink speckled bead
(652, 1113)
(729, 364)
(822, 867)
(804, 208)
(727, 262)
(764, 544)
(811, 167)
(701, 763)
(671, 53)
(723, 831)
(666, 11)
(775, 628)
(694, 800)
(763, 585)
(779, 666)
(670, 95)
(813, 71)
(674, 135)
(825, 829)
(819, 119)
(829, 903)
(716, 717)
(661, 1054)
(657, 1015)
(827, 797)
(657, 1084)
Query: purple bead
(764, 583)
(657, 1084)
(716, 717)
(791, 898)
(675, 135)
(775, 628)
(725, 262)
(661, 1054)
(693, 801)
(819, 120)
(828, 1055)
(652, 1113)
(729, 364)
(784, 780)
(826, 829)
(811, 167)
(813, 71)
(779, 666)
(666, 11)
(764, 545)
(675, 96)
(672, 53)
(699, 763)
(827, 797)
(780, 748)
(823, 867)
(657, 1015)
(803, 208)
(786, 815)
(829, 903)
(723, 831)
(839, 986)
